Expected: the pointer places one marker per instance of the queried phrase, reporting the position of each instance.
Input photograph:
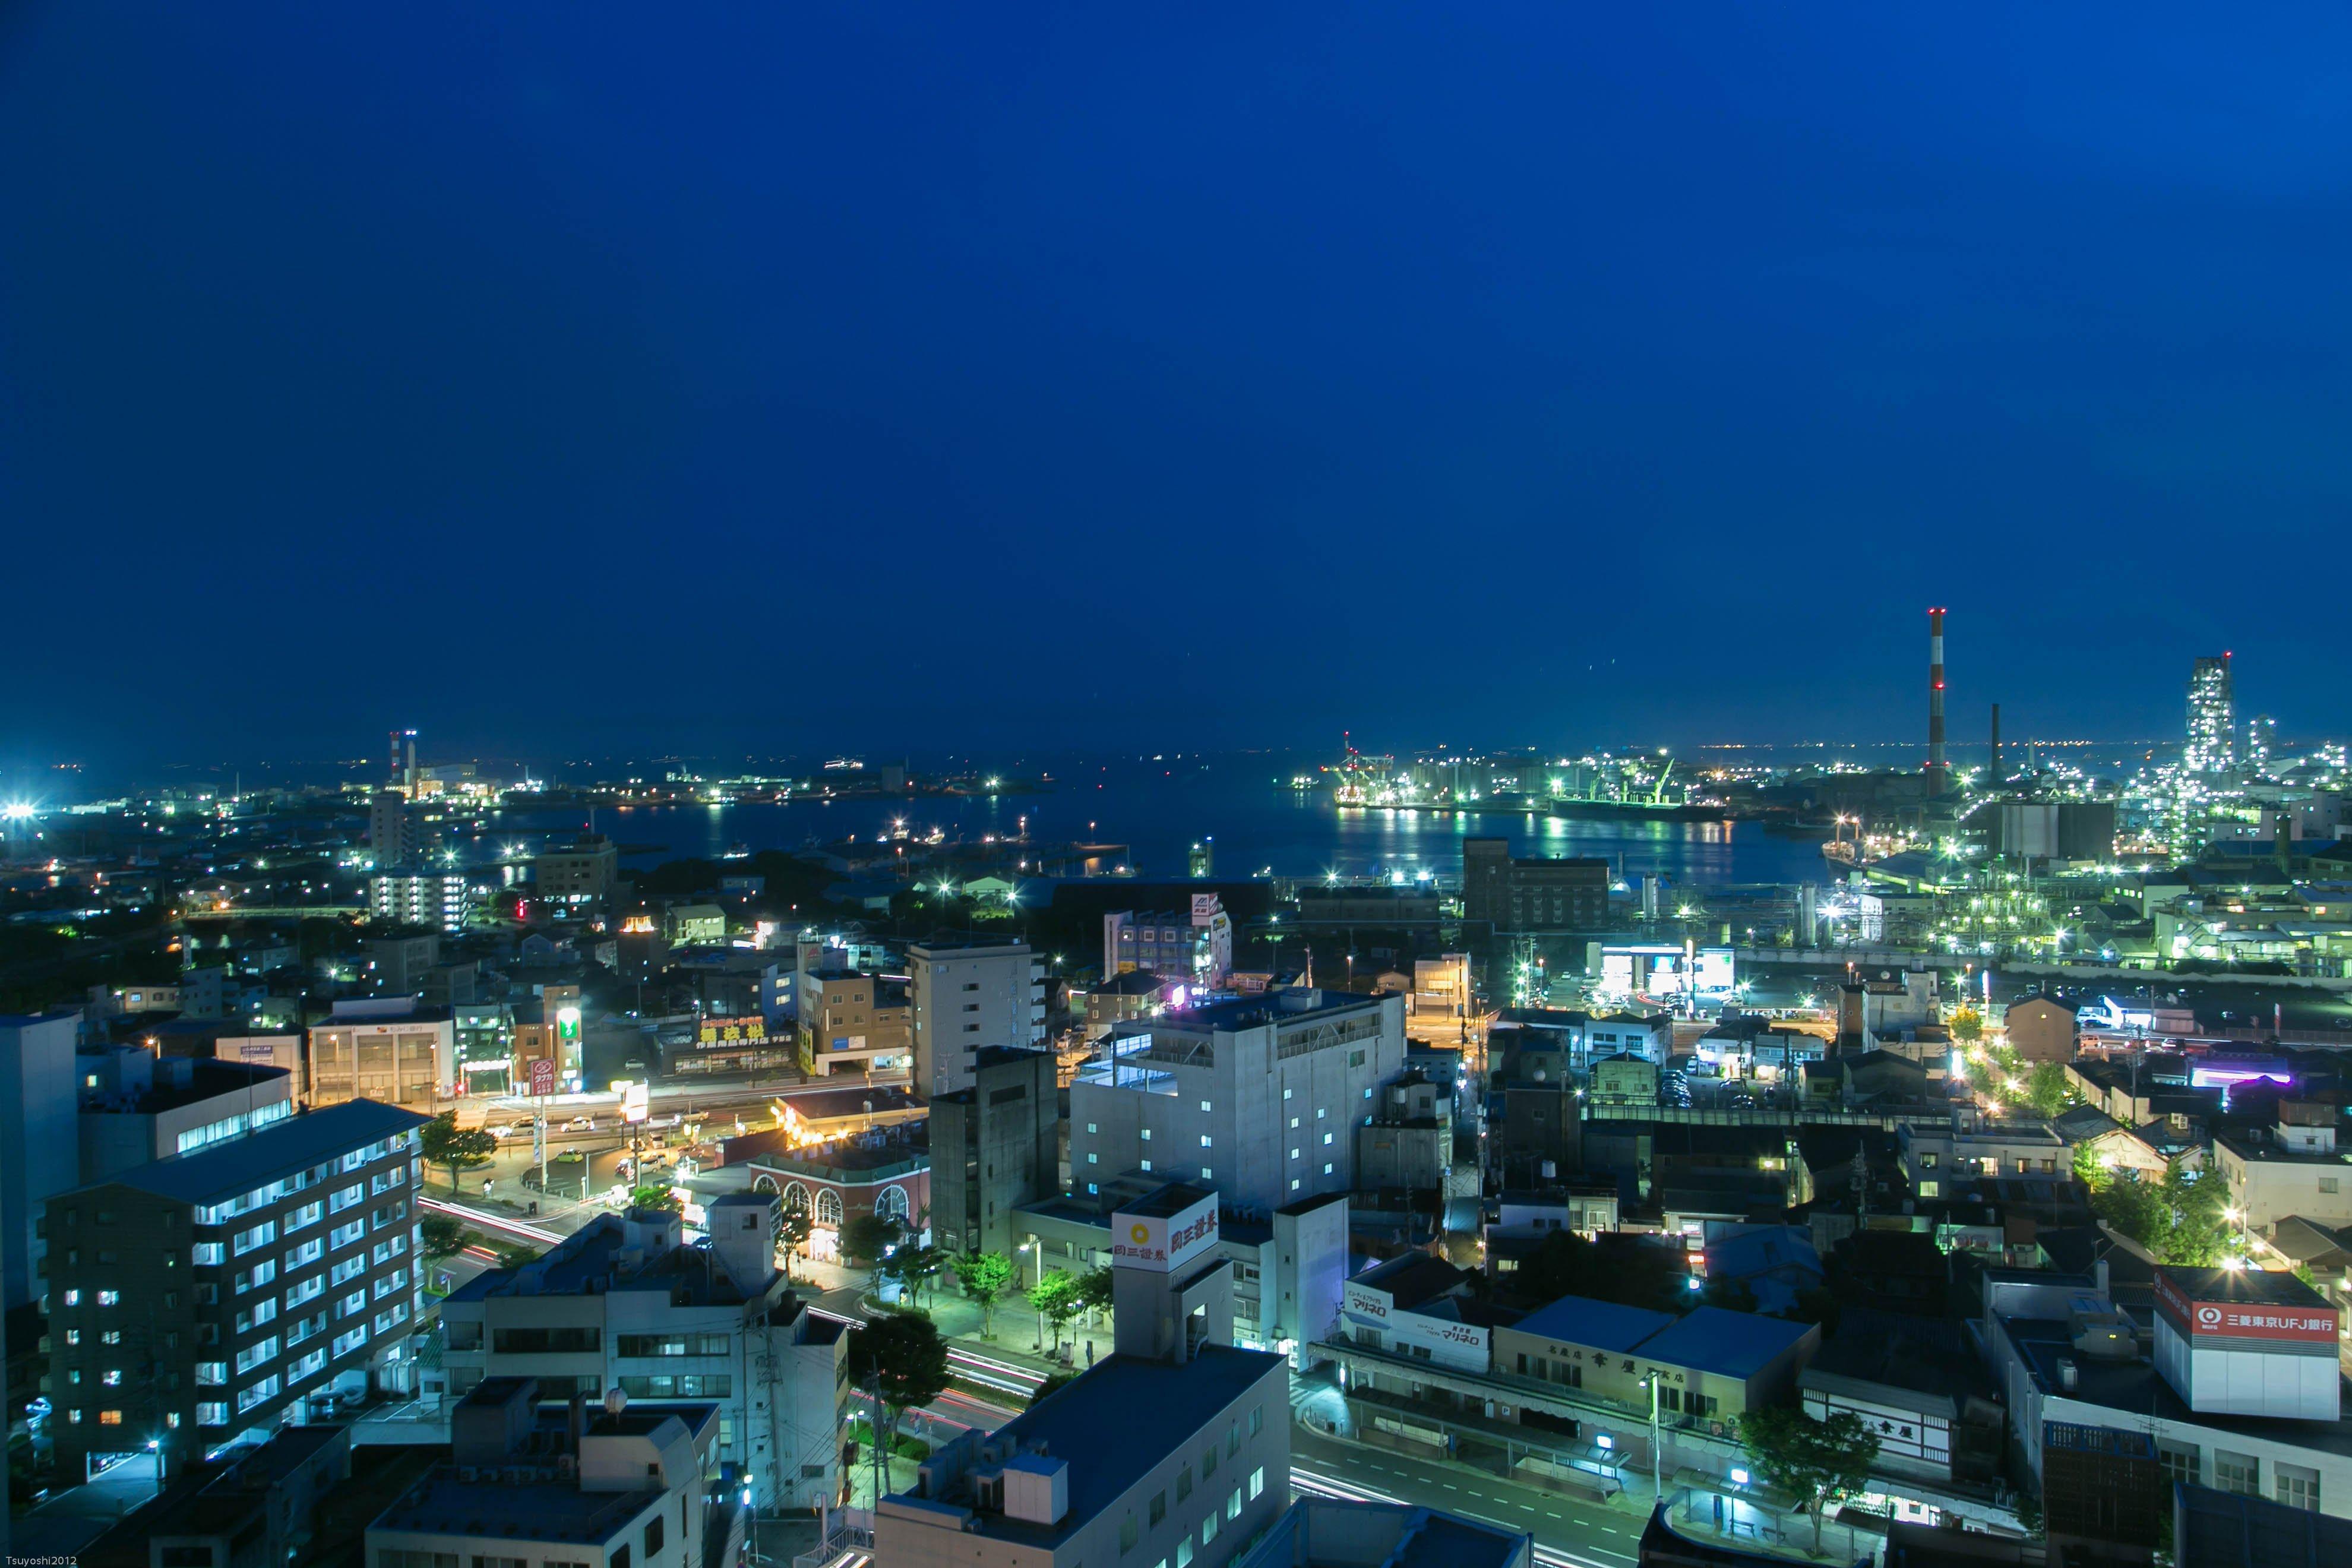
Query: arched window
(891, 1204)
(763, 1184)
(829, 1208)
(796, 1198)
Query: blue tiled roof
(1603, 1325)
(1731, 1345)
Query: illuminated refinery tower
(2212, 728)
(1939, 776)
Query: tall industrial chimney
(1992, 779)
(1939, 775)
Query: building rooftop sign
(1162, 1242)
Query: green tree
(443, 1236)
(441, 1141)
(1054, 1382)
(866, 1237)
(916, 1268)
(1967, 1026)
(793, 1232)
(2047, 1092)
(1056, 1297)
(1095, 1290)
(985, 1277)
(656, 1197)
(2090, 1171)
(899, 1358)
(1808, 1459)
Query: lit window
(110, 1297)
(110, 1417)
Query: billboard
(635, 1100)
(1660, 968)
(1205, 909)
(543, 1077)
(731, 1031)
(2245, 1325)
(1164, 1242)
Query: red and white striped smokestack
(1939, 775)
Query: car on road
(581, 1124)
(505, 1130)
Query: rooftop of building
(2136, 1389)
(1133, 983)
(1167, 1200)
(527, 1498)
(1729, 1343)
(1602, 1325)
(296, 1143)
(1412, 1278)
(1118, 1420)
(969, 944)
(1317, 1532)
(179, 1081)
(1285, 1006)
(604, 1257)
(2256, 1150)
(2255, 1285)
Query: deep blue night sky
(583, 377)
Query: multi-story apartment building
(1515, 895)
(852, 1023)
(624, 1303)
(1258, 1098)
(423, 897)
(1175, 1448)
(995, 1146)
(575, 1488)
(195, 1303)
(970, 992)
(384, 1048)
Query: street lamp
(1657, 1449)
(1034, 1245)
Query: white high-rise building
(1259, 1098)
(40, 1150)
(968, 992)
(624, 1303)
(2212, 729)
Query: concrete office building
(2292, 1167)
(398, 963)
(1316, 1533)
(582, 1487)
(420, 898)
(1176, 1449)
(39, 1145)
(2238, 1396)
(194, 1301)
(624, 1303)
(970, 992)
(136, 1109)
(995, 1146)
(582, 875)
(853, 1023)
(1194, 947)
(1258, 1098)
(383, 1048)
(1513, 895)
(1289, 1266)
